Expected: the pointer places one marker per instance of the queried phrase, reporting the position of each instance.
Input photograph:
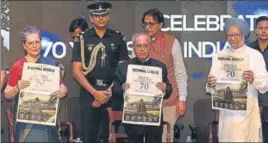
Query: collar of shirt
(146, 62)
(92, 32)
(238, 50)
(256, 46)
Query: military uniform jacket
(115, 50)
(117, 92)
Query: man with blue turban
(242, 126)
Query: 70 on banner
(56, 49)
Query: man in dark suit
(142, 49)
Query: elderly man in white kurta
(239, 126)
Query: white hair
(135, 36)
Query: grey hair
(134, 37)
(28, 30)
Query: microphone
(194, 134)
(177, 129)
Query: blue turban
(241, 24)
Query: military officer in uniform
(95, 56)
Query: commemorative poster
(230, 91)
(143, 100)
(37, 103)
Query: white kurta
(245, 126)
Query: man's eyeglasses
(145, 46)
(149, 24)
(235, 35)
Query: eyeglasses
(145, 46)
(235, 35)
(32, 43)
(149, 24)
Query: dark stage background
(197, 25)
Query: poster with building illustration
(37, 109)
(230, 90)
(142, 110)
(143, 100)
(232, 97)
(37, 103)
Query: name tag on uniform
(113, 46)
(90, 47)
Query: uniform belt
(100, 82)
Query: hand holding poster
(43, 78)
(143, 80)
(230, 67)
(230, 91)
(143, 100)
(37, 104)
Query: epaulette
(121, 34)
(76, 39)
(82, 33)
